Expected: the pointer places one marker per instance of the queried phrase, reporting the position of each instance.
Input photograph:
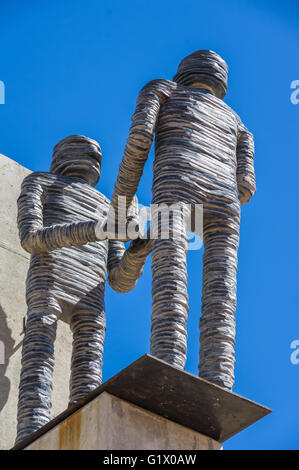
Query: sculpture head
(77, 156)
(203, 67)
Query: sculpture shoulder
(159, 86)
(103, 199)
(47, 179)
(242, 130)
(39, 177)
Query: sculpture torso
(195, 151)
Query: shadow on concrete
(7, 349)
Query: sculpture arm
(34, 237)
(126, 266)
(245, 165)
(140, 140)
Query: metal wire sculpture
(203, 155)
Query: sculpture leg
(217, 323)
(34, 406)
(170, 299)
(88, 329)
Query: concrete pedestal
(150, 405)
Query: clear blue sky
(77, 66)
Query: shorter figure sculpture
(58, 213)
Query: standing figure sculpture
(203, 155)
(57, 216)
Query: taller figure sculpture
(203, 155)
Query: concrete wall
(14, 263)
(109, 423)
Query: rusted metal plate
(186, 399)
(179, 396)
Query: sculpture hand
(101, 230)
